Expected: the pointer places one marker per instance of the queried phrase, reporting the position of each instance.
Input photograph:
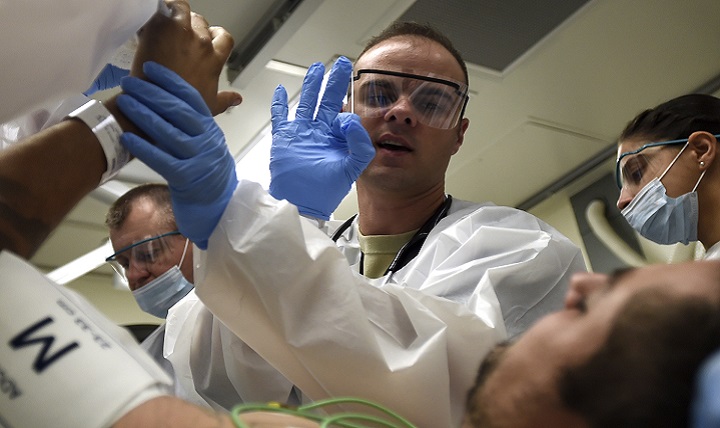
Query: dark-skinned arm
(46, 175)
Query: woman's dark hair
(676, 119)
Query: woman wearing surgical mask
(667, 174)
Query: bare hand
(186, 44)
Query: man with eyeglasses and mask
(157, 262)
(415, 289)
(150, 255)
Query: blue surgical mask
(663, 219)
(163, 292)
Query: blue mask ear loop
(182, 258)
(673, 162)
(698, 182)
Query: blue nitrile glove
(315, 159)
(108, 78)
(189, 151)
(706, 402)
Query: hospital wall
(118, 304)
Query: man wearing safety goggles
(150, 254)
(424, 284)
(153, 258)
(156, 260)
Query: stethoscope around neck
(412, 247)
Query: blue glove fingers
(155, 158)
(166, 105)
(176, 85)
(112, 75)
(164, 135)
(335, 90)
(199, 206)
(278, 108)
(310, 91)
(359, 143)
(108, 78)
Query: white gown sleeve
(283, 287)
(212, 366)
(54, 49)
(47, 115)
(526, 262)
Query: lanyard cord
(412, 247)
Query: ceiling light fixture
(286, 67)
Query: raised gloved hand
(314, 159)
(108, 78)
(189, 151)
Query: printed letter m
(44, 358)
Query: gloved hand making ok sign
(315, 158)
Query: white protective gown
(55, 49)
(713, 253)
(45, 116)
(154, 345)
(413, 344)
(212, 366)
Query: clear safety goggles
(438, 102)
(145, 253)
(636, 168)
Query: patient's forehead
(696, 278)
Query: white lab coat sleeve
(212, 366)
(713, 253)
(282, 286)
(54, 49)
(51, 113)
(526, 262)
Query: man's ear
(705, 146)
(461, 129)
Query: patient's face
(523, 378)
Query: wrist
(108, 131)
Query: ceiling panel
(493, 33)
